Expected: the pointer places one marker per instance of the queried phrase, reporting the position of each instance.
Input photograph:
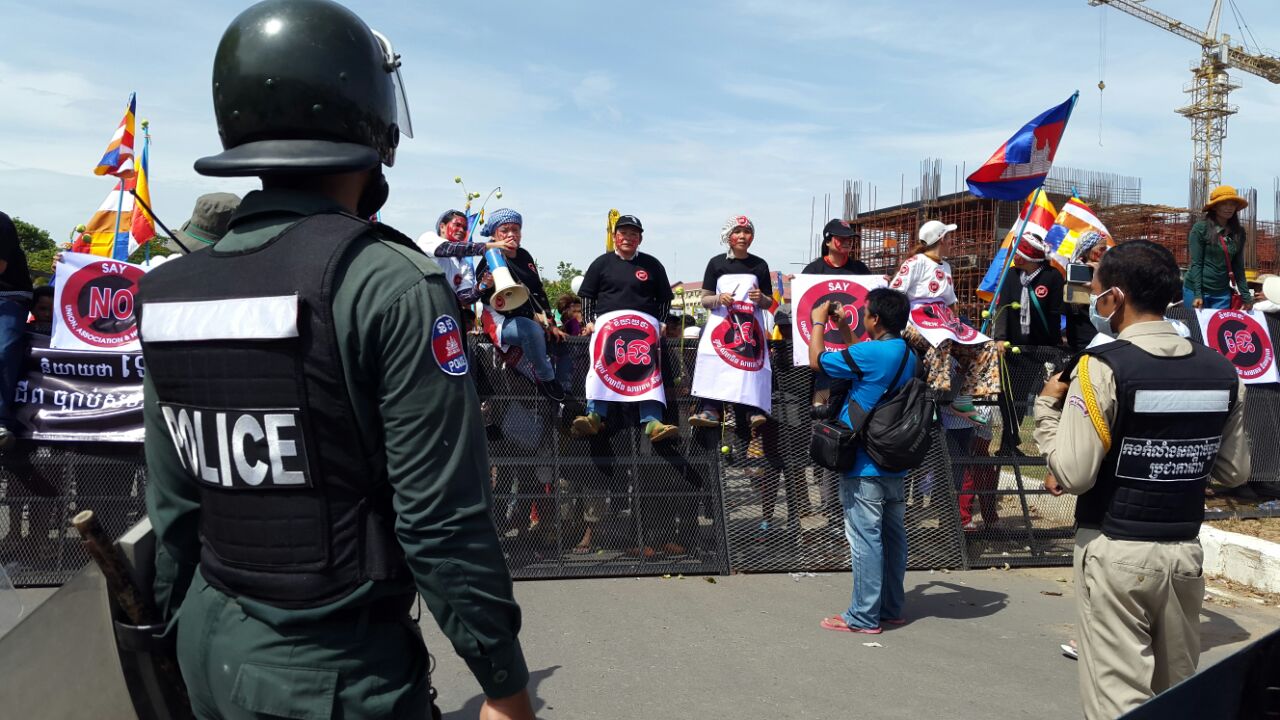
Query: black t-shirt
(750, 265)
(15, 276)
(636, 284)
(1046, 296)
(525, 271)
(822, 267)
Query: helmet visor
(391, 62)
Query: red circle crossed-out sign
(97, 303)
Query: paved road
(982, 644)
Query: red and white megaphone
(507, 293)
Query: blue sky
(682, 113)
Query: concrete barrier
(1240, 558)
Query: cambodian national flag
(118, 159)
(1022, 163)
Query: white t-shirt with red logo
(925, 281)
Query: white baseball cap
(1271, 287)
(932, 232)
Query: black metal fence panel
(43, 486)
(707, 501)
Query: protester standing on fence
(840, 242)
(925, 277)
(1144, 424)
(15, 302)
(1030, 316)
(873, 499)
(314, 448)
(624, 294)
(529, 325)
(1215, 270)
(736, 285)
(452, 251)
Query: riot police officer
(1137, 429)
(315, 450)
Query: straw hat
(1224, 193)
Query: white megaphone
(507, 293)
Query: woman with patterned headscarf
(527, 326)
(747, 281)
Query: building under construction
(889, 233)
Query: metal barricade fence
(706, 502)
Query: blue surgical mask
(1101, 324)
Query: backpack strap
(901, 366)
(853, 366)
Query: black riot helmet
(304, 87)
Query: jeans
(875, 525)
(533, 340)
(959, 441)
(1212, 300)
(13, 322)
(649, 409)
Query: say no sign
(94, 298)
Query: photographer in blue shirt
(873, 499)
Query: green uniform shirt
(1207, 270)
(425, 424)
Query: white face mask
(1100, 323)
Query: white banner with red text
(93, 304)
(810, 291)
(733, 352)
(625, 352)
(1242, 338)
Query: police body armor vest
(1171, 412)
(242, 352)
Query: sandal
(706, 418)
(837, 624)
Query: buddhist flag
(776, 333)
(142, 229)
(102, 227)
(118, 160)
(1074, 223)
(1039, 218)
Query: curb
(1243, 559)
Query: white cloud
(594, 94)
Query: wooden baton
(137, 605)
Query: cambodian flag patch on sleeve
(446, 346)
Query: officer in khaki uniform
(1145, 423)
(314, 447)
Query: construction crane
(1209, 88)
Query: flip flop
(1070, 652)
(837, 624)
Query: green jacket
(1207, 270)
(425, 423)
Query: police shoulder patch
(447, 347)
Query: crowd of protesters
(979, 381)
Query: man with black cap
(628, 368)
(840, 241)
(314, 447)
(209, 222)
